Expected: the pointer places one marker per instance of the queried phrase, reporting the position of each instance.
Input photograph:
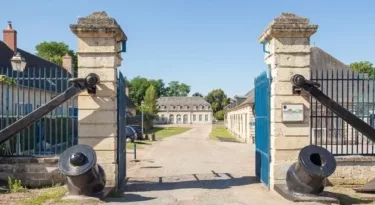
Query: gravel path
(191, 169)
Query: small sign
(292, 113)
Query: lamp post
(142, 103)
(18, 64)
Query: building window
(185, 119)
(171, 118)
(23, 108)
(73, 112)
(200, 117)
(206, 117)
(162, 118)
(178, 119)
(59, 110)
(187, 107)
(194, 118)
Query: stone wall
(353, 170)
(32, 171)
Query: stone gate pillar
(287, 45)
(99, 45)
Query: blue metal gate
(121, 128)
(262, 128)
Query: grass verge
(139, 143)
(219, 132)
(47, 195)
(163, 132)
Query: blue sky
(207, 44)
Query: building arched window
(171, 118)
(185, 119)
(178, 119)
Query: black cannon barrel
(309, 174)
(84, 175)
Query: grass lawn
(220, 132)
(163, 132)
(139, 143)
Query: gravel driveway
(191, 169)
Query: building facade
(239, 117)
(184, 110)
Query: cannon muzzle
(84, 175)
(309, 174)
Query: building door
(178, 119)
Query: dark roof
(354, 88)
(321, 60)
(43, 71)
(195, 100)
(129, 103)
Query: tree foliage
(363, 67)
(198, 95)
(149, 107)
(137, 89)
(54, 51)
(218, 99)
(7, 80)
(176, 88)
(139, 85)
(219, 115)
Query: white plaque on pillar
(292, 113)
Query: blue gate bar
(262, 127)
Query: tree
(176, 88)
(137, 89)
(149, 107)
(54, 51)
(217, 99)
(219, 115)
(363, 67)
(198, 95)
(159, 87)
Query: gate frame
(262, 136)
(121, 130)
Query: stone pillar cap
(98, 22)
(288, 25)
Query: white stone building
(183, 110)
(239, 117)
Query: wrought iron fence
(23, 92)
(355, 92)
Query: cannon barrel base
(322, 198)
(309, 174)
(84, 176)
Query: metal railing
(38, 114)
(353, 92)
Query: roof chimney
(67, 63)
(10, 37)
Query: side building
(239, 118)
(183, 110)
